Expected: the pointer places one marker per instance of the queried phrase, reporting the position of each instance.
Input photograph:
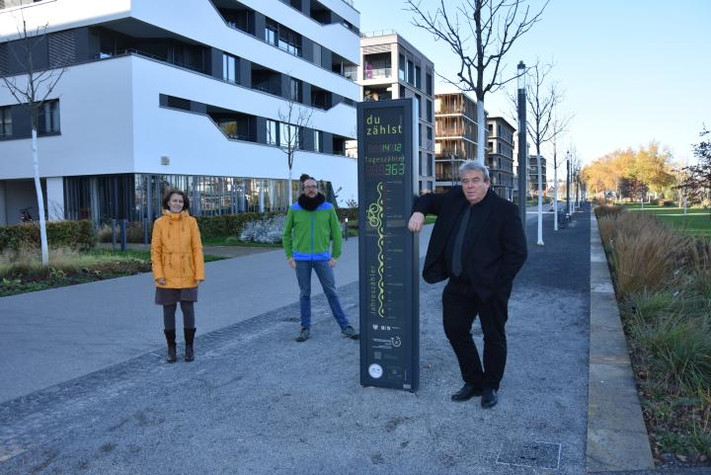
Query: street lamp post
(522, 151)
(539, 168)
(567, 182)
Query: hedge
(229, 224)
(72, 234)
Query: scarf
(310, 204)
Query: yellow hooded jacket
(176, 251)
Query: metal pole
(567, 183)
(113, 234)
(555, 189)
(123, 234)
(522, 150)
(540, 198)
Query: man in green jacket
(311, 226)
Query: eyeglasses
(310, 187)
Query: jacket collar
(181, 215)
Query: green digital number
(395, 169)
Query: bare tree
(480, 33)
(294, 120)
(31, 89)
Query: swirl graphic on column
(375, 219)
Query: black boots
(189, 338)
(170, 339)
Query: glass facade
(137, 197)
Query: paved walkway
(85, 388)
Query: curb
(617, 436)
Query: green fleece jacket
(308, 234)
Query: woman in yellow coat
(178, 268)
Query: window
(318, 60)
(240, 19)
(295, 90)
(418, 75)
(271, 32)
(428, 84)
(5, 122)
(401, 67)
(229, 68)
(289, 41)
(48, 121)
(318, 141)
(177, 103)
(272, 138)
(429, 110)
(283, 134)
(282, 37)
(229, 127)
(410, 72)
(290, 136)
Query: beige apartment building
(455, 136)
(500, 158)
(455, 141)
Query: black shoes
(467, 392)
(350, 332)
(489, 398)
(304, 335)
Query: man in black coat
(478, 244)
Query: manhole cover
(533, 454)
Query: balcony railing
(371, 34)
(379, 73)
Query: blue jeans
(324, 272)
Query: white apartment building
(185, 93)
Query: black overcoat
(494, 247)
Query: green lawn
(696, 221)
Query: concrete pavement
(85, 389)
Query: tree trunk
(291, 198)
(40, 201)
(481, 131)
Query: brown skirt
(173, 296)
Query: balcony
(377, 73)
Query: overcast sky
(632, 71)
